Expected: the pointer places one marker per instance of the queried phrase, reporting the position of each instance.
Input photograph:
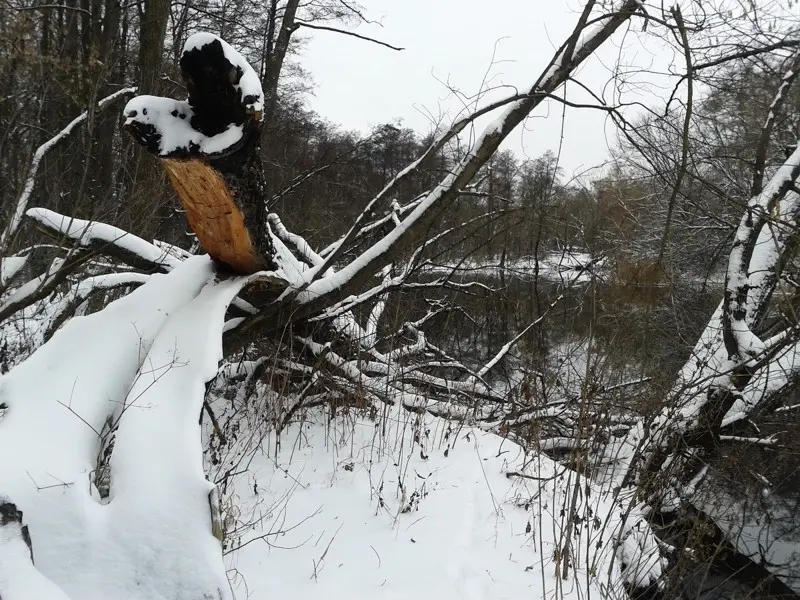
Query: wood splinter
(213, 214)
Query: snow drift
(138, 367)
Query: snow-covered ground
(386, 503)
(141, 364)
(399, 505)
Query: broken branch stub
(209, 148)
(10, 515)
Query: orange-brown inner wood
(212, 214)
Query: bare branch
(312, 297)
(350, 33)
(687, 119)
(748, 52)
(775, 107)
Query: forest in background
(657, 224)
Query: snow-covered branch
(41, 286)
(754, 259)
(105, 239)
(85, 288)
(318, 287)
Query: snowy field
(407, 506)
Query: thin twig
(342, 31)
(687, 53)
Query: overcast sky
(359, 85)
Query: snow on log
(747, 252)
(137, 367)
(104, 238)
(209, 148)
(19, 579)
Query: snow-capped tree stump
(209, 148)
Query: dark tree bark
(711, 545)
(151, 44)
(147, 190)
(276, 57)
(10, 515)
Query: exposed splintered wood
(213, 214)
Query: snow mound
(137, 367)
(401, 505)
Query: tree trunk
(147, 192)
(274, 62)
(151, 45)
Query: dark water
(652, 327)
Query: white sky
(359, 84)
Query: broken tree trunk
(209, 148)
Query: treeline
(658, 201)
